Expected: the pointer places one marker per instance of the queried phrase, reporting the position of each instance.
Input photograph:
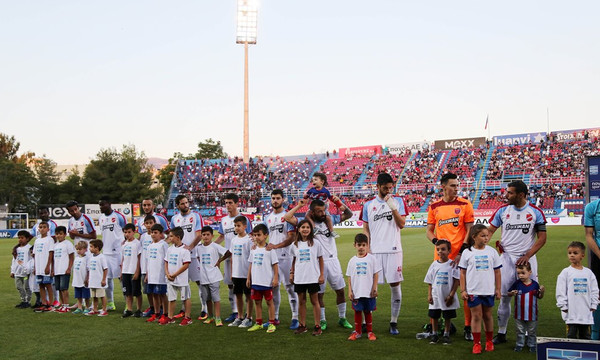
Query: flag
(487, 120)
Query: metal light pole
(247, 18)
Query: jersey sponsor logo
(110, 227)
(187, 227)
(278, 227)
(258, 259)
(387, 215)
(453, 221)
(82, 223)
(523, 227)
(229, 231)
(325, 232)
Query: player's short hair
(129, 226)
(26, 234)
(261, 228)
(60, 229)
(43, 207)
(321, 176)
(206, 228)
(71, 203)
(157, 227)
(519, 185)
(475, 230)
(277, 192)
(149, 218)
(241, 219)
(444, 242)
(177, 231)
(316, 203)
(446, 177)
(81, 245)
(361, 239)
(43, 223)
(384, 178)
(97, 244)
(232, 196)
(577, 244)
(106, 198)
(148, 198)
(178, 198)
(526, 266)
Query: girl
(479, 283)
(308, 267)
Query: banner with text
(576, 135)
(396, 149)
(361, 150)
(459, 143)
(519, 139)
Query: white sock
(396, 303)
(204, 307)
(109, 290)
(342, 310)
(276, 300)
(293, 300)
(232, 301)
(323, 314)
(503, 314)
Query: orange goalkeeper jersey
(450, 219)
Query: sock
(476, 338)
(396, 303)
(369, 319)
(293, 300)
(204, 307)
(503, 314)
(467, 313)
(259, 321)
(276, 300)
(342, 310)
(489, 335)
(446, 333)
(358, 322)
(234, 308)
(37, 296)
(109, 290)
(323, 314)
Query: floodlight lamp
(247, 19)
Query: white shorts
(284, 265)
(332, 272)
(391, 267)
(227, 273)
(113, 261)
(173, 290)
(508, 270)
(194, 270)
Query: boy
(130, 272)
(96, 278)
(319, 192)
(155, 279)
(20, 269)
(443, 280)
(526, 292)
(577, 294)
(363, 272)
(210, 276)
(44, 259)
(177, 262)
(263, 275)
(64, 254)
(80, 272)
(239, 251)
(146, 240)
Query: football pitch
(28, 335)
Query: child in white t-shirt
(442, 279)
(145, 241)
(480, 283)
(44, 260)
(64, 255)
(177, 262)
(263, 275)
(19, 269)
(307, 273)
(156, 281)
(130, 271)
(208, 254)
(96, 278)
(80, 272)
(363, 273)
(577, 294)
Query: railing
(557, 180)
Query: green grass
(26, 335)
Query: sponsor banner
(572, 349)
(349, 224)
(396, 149)
(459, 143)
(361, 150)
(554, 212)
(574, 135)
(412, 223)
(483, 212)
(559, 221)
(519, 139)
(487, 213)
(93, 211)
(593, 177)
(59, 211)
(9, 234)
(136, 209)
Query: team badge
(191, 220)
(113, 219)
(282, 220)
(529, 217)
(82, 223)
(457, 211)
(507, 216)
(374, 208)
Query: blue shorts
(82, 293)
(364, 304)
(43, 279)
(61, 282)
(476, 300)
(157, 289)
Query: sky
(79, 76)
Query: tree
(124, 176)
(209, 149)
(9, 147)
(70, 189)
(17, 181)
(47, 178)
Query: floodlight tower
(247, 18)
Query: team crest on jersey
(82, 223)
(113, 219)
(374, 208)
(282, 220)
(191, 219)
(269, 221)
(529, 217)
(457, 211)
(507, 216)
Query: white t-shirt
(326, 239)
(208, 255)
(480, 266)
(191, 224)
(227, 229)
(96, 266)
(62, 250)
(441, 277)
(577, 292)
(21, 269)
(83, 225)
(41, 250)
(240, 250)
(262, 266)
(278, 233)
(176, 257)
(131, 250)
(79, 272)
(518, 227)
(361, 271)
(155, 258)
(306, 267)
(145, 241)
(111, 227)
(385, 234)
